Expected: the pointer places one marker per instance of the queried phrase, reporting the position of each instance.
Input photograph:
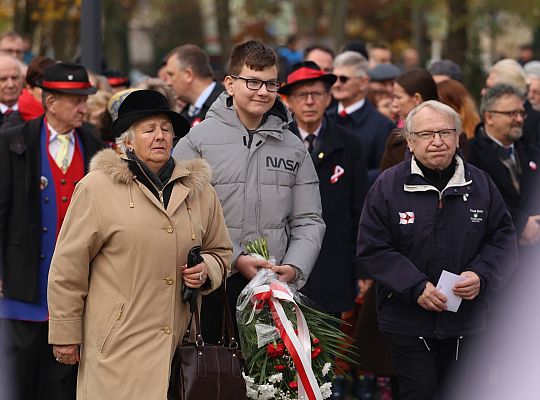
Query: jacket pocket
(104, 341)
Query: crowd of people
(372, 182)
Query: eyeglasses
(316, 95)
(12, 51)
(256, 84)
(430, 135)
(512, 114)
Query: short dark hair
(497, 91)
(318, 46)
(254, 55)
(418, 80)
(192, 56)
(35, 69)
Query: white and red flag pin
(532, 165)
(338, 173)
(406, 217)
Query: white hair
(121, 141)
(352, 59)
(436, 106)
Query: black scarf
(150, 179)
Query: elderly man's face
(10, 81)
(12, 46)
(152, 141)
(308, 101)
(534, 93)
(433, 151)
(68, 110)
(349, 88)
(504, 119)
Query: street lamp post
(91, 54)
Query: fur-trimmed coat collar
(194, 174)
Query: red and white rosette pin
(532, 165)
(298, 346)
(338, 173)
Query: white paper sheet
(446, 284)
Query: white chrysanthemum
(267, 392)
(326, 390)
(249, 380)
(275, 378)
(326, 369)
(252, 393)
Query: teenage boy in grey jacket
(262, 173)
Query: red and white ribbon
(298, 346)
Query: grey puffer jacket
(268, 186)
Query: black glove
(190, 294)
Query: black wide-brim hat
(306, 71)
(66, 77)
(145, 103)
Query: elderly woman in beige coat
(120, 262)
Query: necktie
(310, 139)
(193, 110)
(343, 113)
(62, 155)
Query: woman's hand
(195, 276)
(249, 265)
(67, 354)
(285, 273)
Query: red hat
(306, 71)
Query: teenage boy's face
(252, 103)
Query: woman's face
(402, 102)
(152, 141)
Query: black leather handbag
(208, 372)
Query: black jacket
(520, 204)
(332, 281)
(218, 89)
(372, 128)
(20, 210)
(410, 232)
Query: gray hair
(121, 141)
(510, 72)
(436, 106)
(353, 59)
(497, 91)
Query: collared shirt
(196, 107)
(54, 143)
(4, 108)
(511, 147)
(352, 108)
(304, 134)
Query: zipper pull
(161, 198)
(440, 202)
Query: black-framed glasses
(430, 135)
(256, 84)
(512, 114)
(315, 95)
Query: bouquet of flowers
(289, 346)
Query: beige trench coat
(115, 278)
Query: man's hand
(249, 265)
(67, 354)
(432, 299)
(469, 288)
(285, 273)
(531, 233)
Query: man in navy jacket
(430, 213)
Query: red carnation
(275, 350)
(279, 367)
(316, 341)
(293, 385)
(315, 353)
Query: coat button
(455, 190)
(45, 229)
(63, 181)
(167, 330)
(169, 281)
(42, 257)
(170, 229)
(64, 199)
(46, 199)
